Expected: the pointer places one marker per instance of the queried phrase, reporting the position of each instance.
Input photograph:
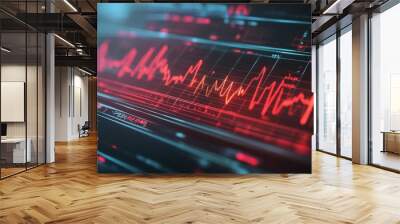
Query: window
(346, 92)
(327, 95)
(385, 89)
(22, 77)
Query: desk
(391, 141)
(18, 150)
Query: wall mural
(204, 88)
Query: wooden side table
(391, 141)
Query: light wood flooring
(5, 172)
(387, 159)
(70, 191)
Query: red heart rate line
(273, 97)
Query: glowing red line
(120, 89)
(101, 159)
(213, 37)
(247, 159)
(270, 97)
(260, 129)
(203, 21)
(188, 19)
(238, 10)
(175, 18)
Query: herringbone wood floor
(70, 191)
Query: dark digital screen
(204, 88)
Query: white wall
(12, 73)
(71, 102)
(33, 127)
(80, 111)
(61, 103)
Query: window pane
(14, 153)
(385, 84)
(327, 96)
(346, 94)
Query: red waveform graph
(270, 97)
(208, 88)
